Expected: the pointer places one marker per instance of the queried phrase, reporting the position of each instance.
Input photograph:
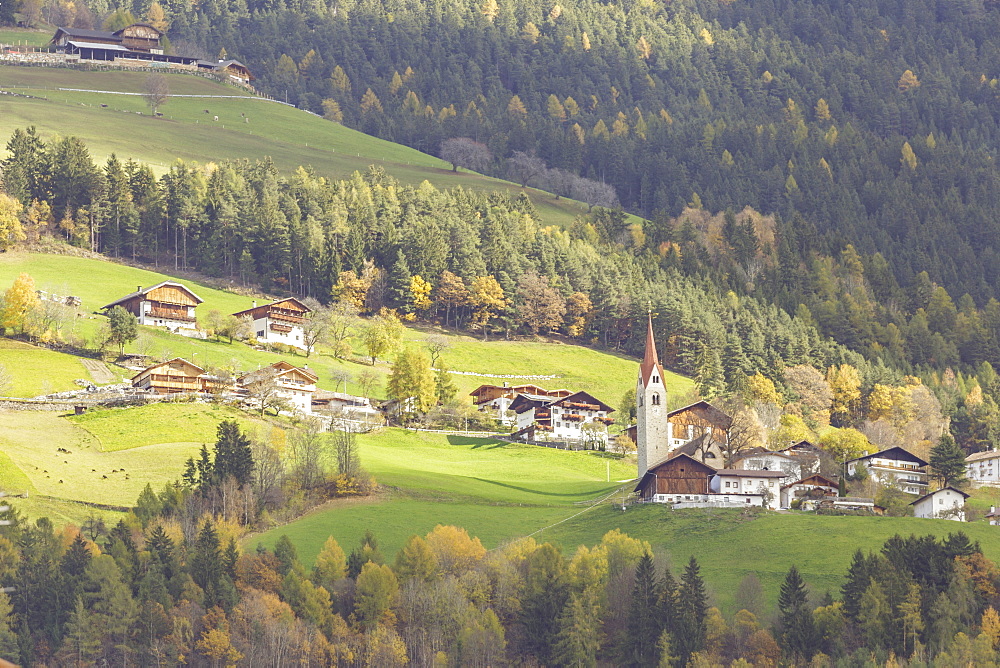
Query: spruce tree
(797, 631)
(400, 296)
(233, 454)
(858, 578)
(644, 624)
(692, 609)
(948, 462)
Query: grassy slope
(289, 136)
(497, 491)
(98, 283)
(14, 36)
(23, 361)
(149, 444)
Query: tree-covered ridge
(871, 124)
(483, 262)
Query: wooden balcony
(281, 329)
(285, 316)
(167, 314)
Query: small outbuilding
(946, 503)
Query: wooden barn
(680, 474)
(165, 304)
(171, 377)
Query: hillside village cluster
(683, 456)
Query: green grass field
(291, 137)
(161, 423)
(23, 362)
(98, 282)
(496, 490)
(18, 37)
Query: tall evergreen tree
(692, 609)
(644, 621)
(948, 462)
(796, 628)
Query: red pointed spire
(650, 360)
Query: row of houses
(295, 385)
(172, 305)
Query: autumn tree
(11, 230)
(452, 294)
(18, 302)
(465, 152)
(525, 167)
(540, 308)
(486, 298)
(156, 92)
(382, 335)
(375, 593)
(411, 382)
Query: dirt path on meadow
(99, 371)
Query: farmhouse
(762, 459)
(815, 486)
(809, 456)
(701, 417)
(946, 503)
(279, 322)
(894, 465)
(983, 468)
(765, 486)
(286, 381)
(174, 376)
(562, 417)
(165, 304)
(346, 405)
(136, 44)
(497, 398)
(685, 482)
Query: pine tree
(578, 640)
(692, 609)
(798, 633)
(233, 454)
(400, 296)
(644, 624)
(948, 462)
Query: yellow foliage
(454, 549)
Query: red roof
(650, 360)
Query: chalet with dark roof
(560, 418)
(166, 304)
(496, 399)
(173, 377)
(895, 465)
(679, 475)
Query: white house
(279, 322)
(759, 459)
(165, 304)
(894, 465)
(293, 384)
(762, 483)
(946, 503)
(346, 406)
(983, 468)
(561, 418)
(807, 487)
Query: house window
(727, 483)
(770, 483)
(656, 399)
(640, 400)
(656, 379)
(748, 499)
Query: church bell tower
(652, 442)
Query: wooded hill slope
(870, 123)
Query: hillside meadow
(99, 282)
(248, 128)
